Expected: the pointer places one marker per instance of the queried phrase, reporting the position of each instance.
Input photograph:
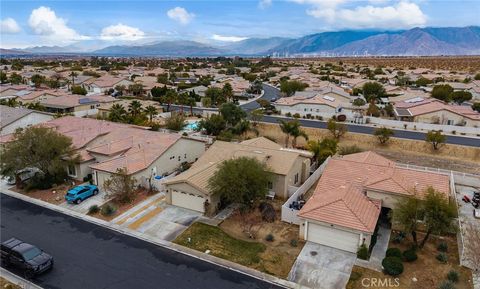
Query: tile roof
(433, 105)
(11, 114)
(278, 160)
(355, 173)
(67, 101)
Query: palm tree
(191, 102)
(286, 128)
(117, 113)
(170, 97)
(135, 108)
(73, 74)
(297, 132)
(182, 100)
(322, 149)
(151, 111)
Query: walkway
(378, 252)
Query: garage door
(333, 237)
(188, 201)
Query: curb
(165, 244)
(17, 280)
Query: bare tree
(249, 222)
(120, 186)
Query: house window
(179, 158)
(270, 185)
(92, 106)
(72, 171)
(450, 122)
(296, 178)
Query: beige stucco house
(290, 168)
(353, 192)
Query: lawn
(229, 241)
(428, 271)
(205, 237)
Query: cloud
(9, 26)
(181, 15)
(402, 14)
(44, 22)
(121, 32)
(228, 38)
(262, 4)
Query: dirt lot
(452, 157)
(122, 208)
(427, 269)
(279, 256)
(55, 195)
(8, 285)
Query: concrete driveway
(322, 267)
(83, 207)
(157, 219)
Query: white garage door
(188, 201)
(333, 237)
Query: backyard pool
(191, 126)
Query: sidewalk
(17, 280)
(163, 243)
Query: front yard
(274, 256)
(428, 271)
(55, 195)
(115, 209)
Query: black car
(26, 257)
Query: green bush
(399, 237)
(446, 285)
(93, 209)
(392, 266)
(108, 209)
(269, 238)
(294, 243)
(453, 276)
(394, 252)
(362, 252)
(442, 257)
(442, 247)
(410, 255)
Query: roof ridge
(353, 212)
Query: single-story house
(352, 193)
(190, 190)
(436, 112)
(105, 146)
(79, 105)
(12, 118)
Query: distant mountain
(414, 42)
(417, 42)
(166, 48)
(320, 42)
(253, 46)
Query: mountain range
(414, 42)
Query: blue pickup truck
(79, 194)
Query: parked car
(26, 257)
(80, 193)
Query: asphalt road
(272, 92)
(88, 256)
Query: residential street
(91, 256)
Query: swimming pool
(191, 126)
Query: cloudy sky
(89, 22)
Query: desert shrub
(93, 209)
(442, 247)
(269, 238)
(268, 212)
(392, 266)
(442, 257)
(296, 115)
(393, 252)
(108, 209)
(410, 255)
(446, 285)
(453, 276)
(288, 114)
(347, 150)
(399, 237)
(294, 243)
(362, 252)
